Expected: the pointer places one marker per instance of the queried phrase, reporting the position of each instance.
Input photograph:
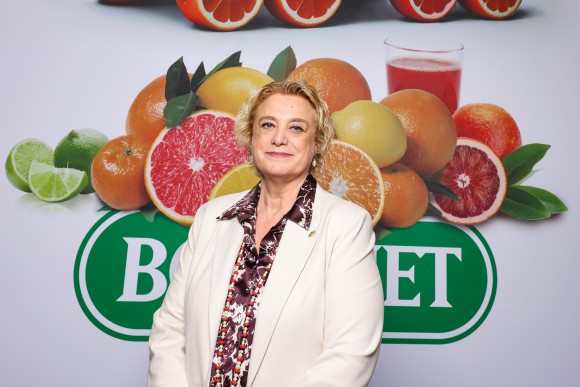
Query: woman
(276, 286)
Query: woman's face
(283, 141)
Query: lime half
(20, 157)
(52, 184)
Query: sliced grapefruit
(476, 175)
(351, 174)
(221, 15)
(185, 162)
(303, 13)
(492, 9)
(424, 10)
(238, 179)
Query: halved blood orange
(476, 175)
(424, 10)
(351, 174)
(492, 9)
(221, 15)
(303, 13)
(185, 162)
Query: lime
(52, 184)
(20, 157)
(78, 149)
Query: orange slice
(303, 13)
(351, 174)
(221, 15)
(492, 9)
(424, 10)
(238, 179)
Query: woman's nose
(279, 137)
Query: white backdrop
(74, 63)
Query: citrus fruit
(339, 83)
(145, 116)
(351, 174)
(492, 9)
(406, 196)
(238, 179)
(185, 162)
(306, 13)
(490, 124)
(229, 88)
(374, 128)
(19, 159)
(77, 150)
(424, 10)
(476, 175)
(224, 15)
(429, 127)
(51, 184)
(118, 171)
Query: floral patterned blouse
(236, 331)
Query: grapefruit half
(477, 176)
(305, 13)
(492, 9)
(220, 15)
(424, 10)
(185, 162)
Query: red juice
(436, 76)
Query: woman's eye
(296, 129)
(267, 125)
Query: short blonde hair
(324, 126)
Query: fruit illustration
(51, 184)
(492, 9)
(406, 196)
(78, 149)
(117, 172)
(185, 162)
(238, 179)
(476, 175)
(429, 126)
(21, 156)
(338, 82)
(373, 128)
(227, 89)
(145, 116)
(220, 15)
(307, 13)
(351, 174)
(425, 10)
(490, 124)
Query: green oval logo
(439, 281)
(122, 271)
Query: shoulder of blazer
(215, 207)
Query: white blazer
(320, 318)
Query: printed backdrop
(70, 64)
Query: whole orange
(339, 83)
(490, 124)
(429, 126)
(406, 196)
(145, 117)
(118, 172)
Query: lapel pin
(312, 233)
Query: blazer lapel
(293, 253)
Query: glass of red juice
(429, 65)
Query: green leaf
(282, 65)
(231, 61)
(149, 212)
(177, 80)
(440, 189)
(381, 232)
(519, 163)
(179, 108)
(548, 199)
(432, 211)
(197, 77)
(523, 205)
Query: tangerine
(490, 124)
(118, 170)
(429, 126)
(145, 116)
(339, 83)
(406, 196)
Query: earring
(314, 163)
